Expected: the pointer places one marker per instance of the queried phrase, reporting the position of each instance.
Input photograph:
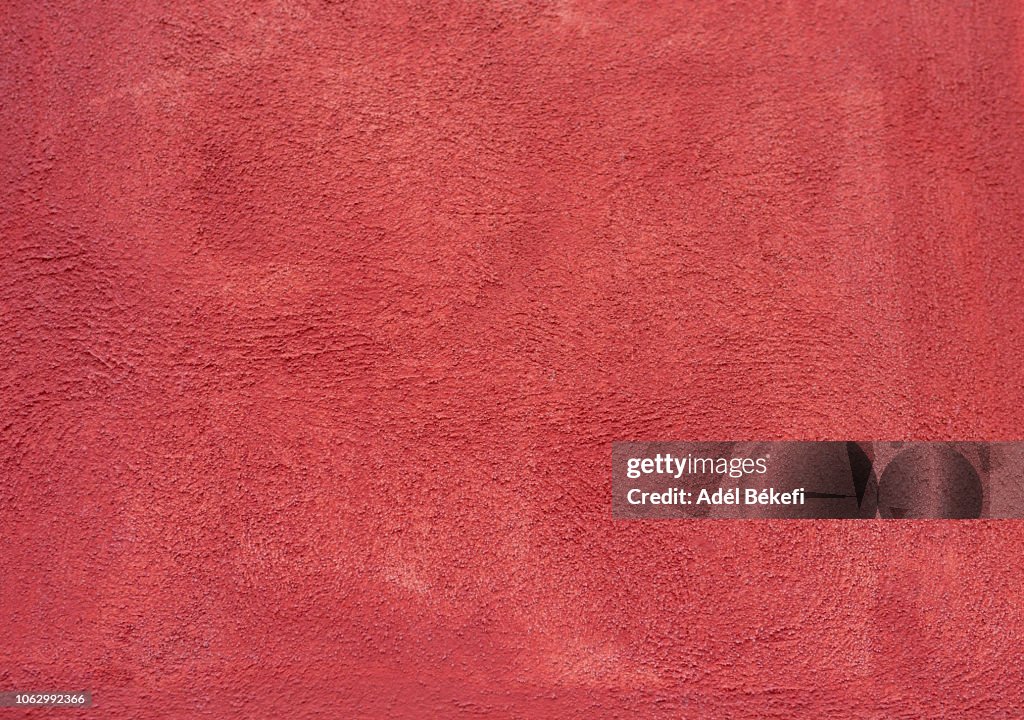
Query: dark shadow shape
(930, 481)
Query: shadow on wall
(903, 480)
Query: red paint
(320, 318)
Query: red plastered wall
(319, 319)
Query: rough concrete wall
(319, 319)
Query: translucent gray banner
(49, 698)
(824, 480)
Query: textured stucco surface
(319, 319)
